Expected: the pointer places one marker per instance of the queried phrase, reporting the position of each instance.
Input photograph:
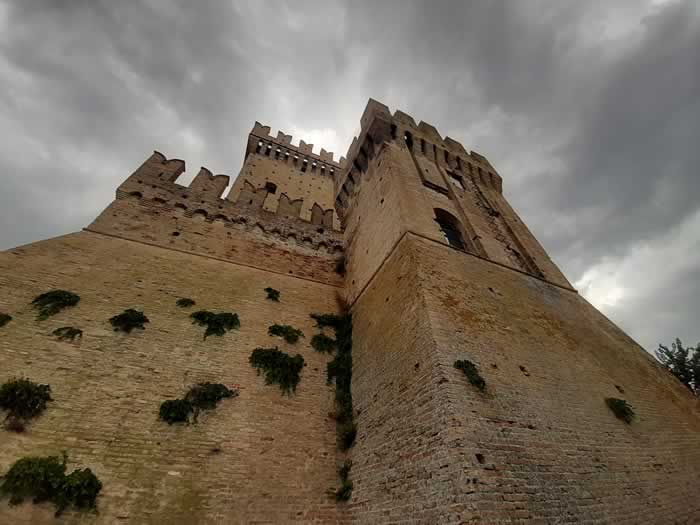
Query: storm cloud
(589, 110)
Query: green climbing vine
(68, 333)
(217, 324)
(4, 319)
(322, 343)
(279, 367)
(340, 370)
(288, 333)
(128, 320)
(272, 294)
(203, 396)
(621, 408)
(45, 479)
(23, 400)
(50, 303)
(471, 372)
(345, 490)
(184, 302)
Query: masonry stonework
(438, 268)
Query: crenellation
(260, 141)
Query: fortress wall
(261, 457)
(552, 451)
(398, 458)
(266, 241)
(540, 445)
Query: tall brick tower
(439, 269)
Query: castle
(410, 235)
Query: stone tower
(438, 269)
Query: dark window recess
(449, 226)
(456, 180)
(270, 187)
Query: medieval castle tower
(411, 235)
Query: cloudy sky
(590, 110)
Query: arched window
(450, 228)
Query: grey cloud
(589, 110)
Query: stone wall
(259, 458)
(539, 445)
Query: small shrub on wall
(621, 409)
(279, 368)
(322, 343)
(184, 302)
(45, 479)
(68, 333)
(288, 333)
(128, 320)
(345, 490)
(471, 373)
(203, 396)
(50, 303)
(217, 324)
(23, 400)
(272, 294)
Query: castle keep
(481, 381)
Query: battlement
(261, 141)
(155, 180)
(378, 126)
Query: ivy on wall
(50, 303)
(322, 343)
(621, 409)
(203, 396)
(184, 302)
(279, 367)
(288, 333)
(272, 294)
(471, 373)
(128, 320)
(23, 400)
(45, 479)
(345, 490)
(217, 324)
(340, 370)
(68, 333)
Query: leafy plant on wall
(128, 320)
(68, 333)
(203, 396)
(286, 332)
(217, 324)
(23, 400)
(45, 479)
(272, 294)
(278, 367)
(471, 372)
(340, 371)
(50, 303)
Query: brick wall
(259, 458)
(540, 445)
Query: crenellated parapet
(261, 142)
(153, 185)
(379, 126)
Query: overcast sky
(590, 110)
